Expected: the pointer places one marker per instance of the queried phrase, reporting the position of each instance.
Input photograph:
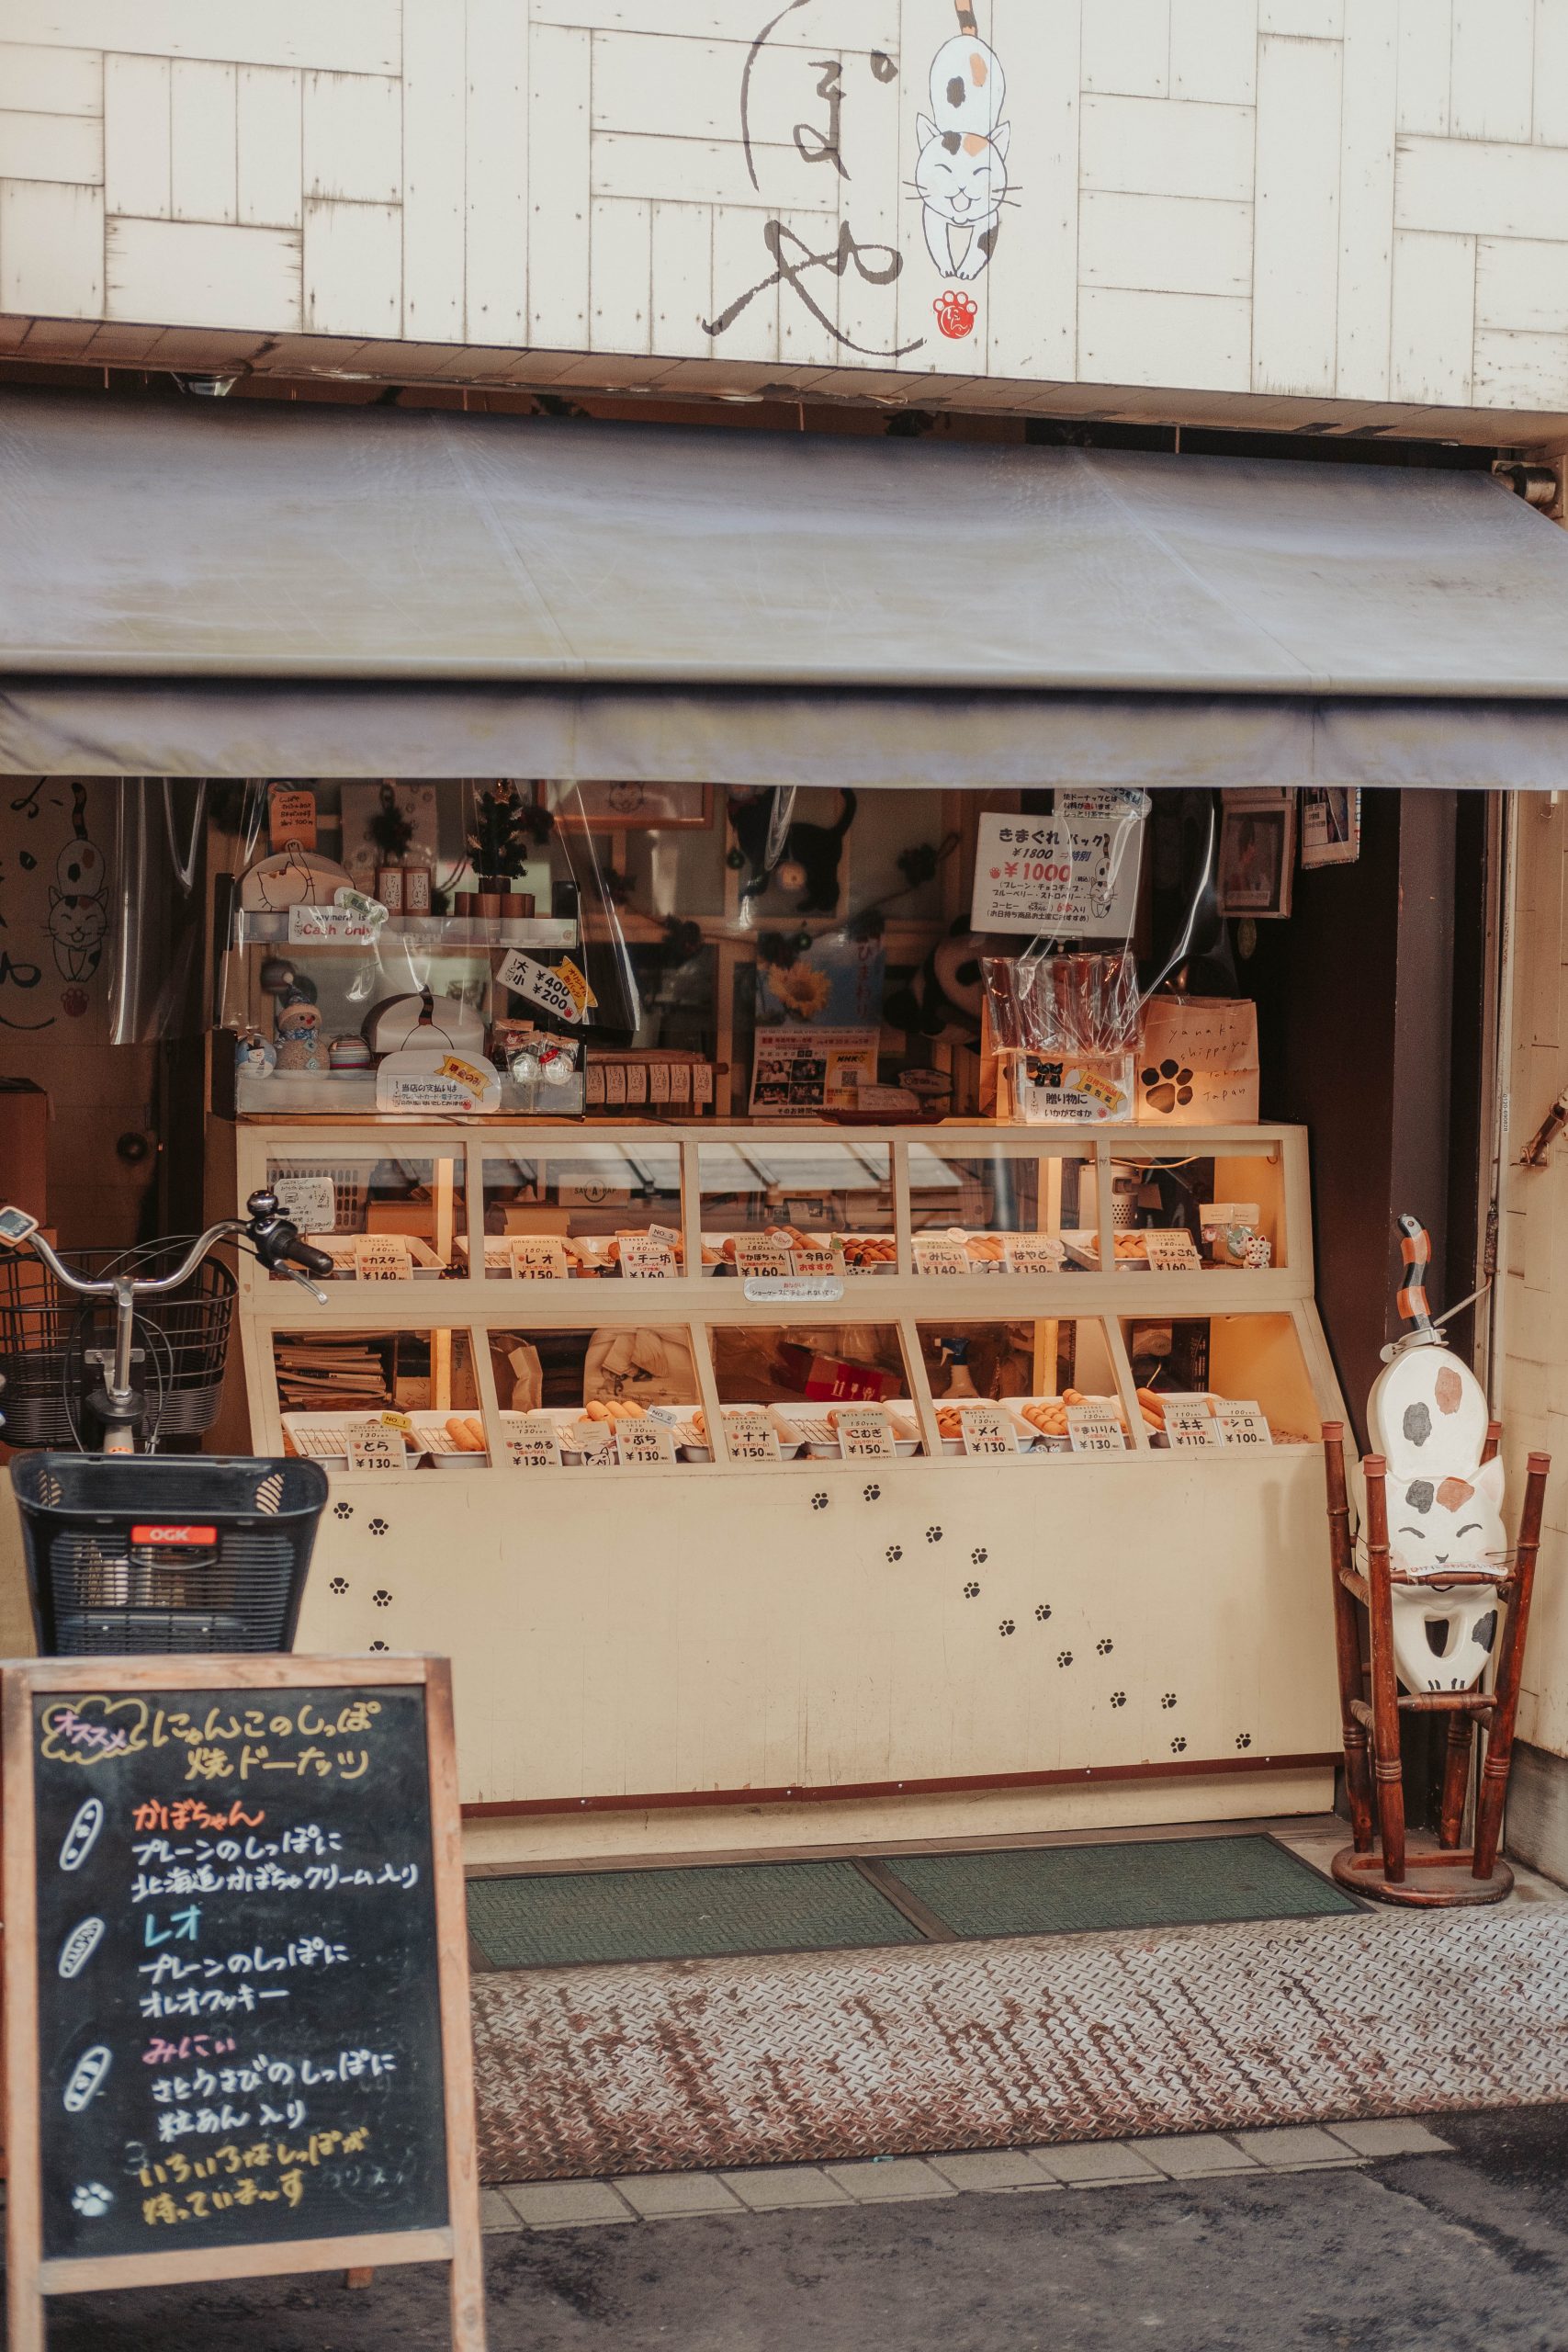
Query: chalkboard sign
(237, 2029)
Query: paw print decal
(1177, 1746)
(895, 1551)
(819, 1502)
(1103, 1648)
(971, 1592)
(1044, 1613)
(1118, 1698)
(1007, 1626)
(383, 1599)
(933, 1535)
(1169, 1699)
(1064, 1658)
(342, 1510)
(980, 1556)
(379, 1527)
(871, 1494)
(1167, 1087)
(1244, 1739)
(378, 1645)
(338, 1584)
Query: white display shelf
(435, 932)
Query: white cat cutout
(1428, 1416)
(962, 174)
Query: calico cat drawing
(962, 174)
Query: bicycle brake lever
(305, 1283)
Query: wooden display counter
(778, 1489)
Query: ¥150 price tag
(1242, 1425)
(1094, 1429)
(531, 1441)
(750, 1436)
(643, 1444)
(538, 1257)
(864, 1434)
(1035, 1253)
(986, 1431)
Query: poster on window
(800, 1073)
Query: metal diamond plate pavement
(672, 2066)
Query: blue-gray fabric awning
(248, 588)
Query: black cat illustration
(811, 858)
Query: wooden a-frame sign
(236, 2003)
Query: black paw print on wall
(1104, 1648)
(1177, 1746)
(819, 1502)
(933, 1535)
(342, 1510)
(895, 1551)
(1169, 1699)
(1118, 1698)
(1244, 1739)
(1007, 1626)
(1044, 1613)
(971, 1592)
(379, 1527)
(338, 1584)
(378, 1645)
(871, 1494)
(1064, 1658)
(980, 1556)
(1166, 1086)
(383, 1599)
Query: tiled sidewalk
(658, 2197)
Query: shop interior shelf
(270, 929)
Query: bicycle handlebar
(270, 1234)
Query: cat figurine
(961, 176)
(1428, 1416)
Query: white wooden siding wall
(1358, 199)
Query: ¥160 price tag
(532, 1442)
(1094, 1429)
(1171, 1252)
(750, 1436)
(647, 1258)
(756, 1254)
(986, 1431)
(1242, 1425)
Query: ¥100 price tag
(1242, 1425)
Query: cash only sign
(237, 2031)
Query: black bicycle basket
(129, 1554)
(46, 1332)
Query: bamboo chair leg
(1347, 1641)
(1500, 1740)
(1385, 1687)
(1492, 1446)
(1456, 1780)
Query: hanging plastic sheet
(155, 927)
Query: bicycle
(116, 1404)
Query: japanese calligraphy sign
(236, 1991)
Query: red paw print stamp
(955, 313)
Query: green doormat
(1077, 1890)
(680, 1914)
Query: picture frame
(1331, 825)
(605, 807)
(1258, 854)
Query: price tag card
(1241, 1424)
(339, 926)
(1035, 1253)
(940, 1254)
(1191, 1425)
(756, 1254)
(532, 1442)
(375, 1447)
(538, 1257)
(751, 1436)
(642, 1443)
(538, 984)
(1171, 1252)
(1214, 1216)
(381, 1258)
(1094, 1429)
(817, 1263)
(647, 1258)
(864, 1434)
(308, 1202)
(290, 816)
(986, 1431)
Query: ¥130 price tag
(864, 1434)
(986, 1431)
(1241, 1424)
(643, 1444)
(751, 1437)
(532, 1442)
(377, 1447)
(1094, 1429)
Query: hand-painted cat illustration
(961, 174)
(78, 897)
(1428, 1416)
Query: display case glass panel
(381, 1215)
(1051, 1377)
(346, 1396)
(773, 1206)
(589, 1196)
(1193, 1371)
(612, 1396)
(1230, 1207)
(833, 1392)
(1001, 1211)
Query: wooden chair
(1392, 1869)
